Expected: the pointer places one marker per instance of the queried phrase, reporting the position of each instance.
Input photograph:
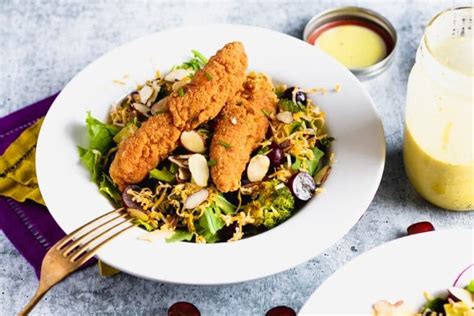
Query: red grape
(127, 198)
(183, 309)
(302, 186)
(300, 97)
(281, 311)
(275, 155)
(421, 227)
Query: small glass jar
(438, 147)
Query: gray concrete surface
(45, 43)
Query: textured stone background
(45, 43)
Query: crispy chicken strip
(210, 88)
(204, 98)
(241, 126)
(143, 151)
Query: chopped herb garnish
(266, 113)
(208, 75)
(288, 105)
(200, 56)
(326, 141)
(211, 162)
(470, 287)
(226, 145)
(181, 91)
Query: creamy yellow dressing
(439, 133)
(353, 45)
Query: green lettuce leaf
(125, 132)
(162, 175)
(470, 287)
(313, 163)
(209, 224)
(94, 158)
(180, 235)
(224, 205)
(144, 224)
(100, 134)
(91, 159)
(107, 188)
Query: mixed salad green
(297, 147)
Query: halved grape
(127, 198)
(281, 311)
(183, 309)
(302, 186)
(275, 155)
(300, 97)
(421, 227)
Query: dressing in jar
(438, 147)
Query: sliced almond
(322, 175)
(199, 169)
(195, 199)
(177, 75)
(192, 141)
(183, 174)
(142, 109)
(183, 163)
(258, 168)
(250, 188)
(156, 90)
(135, 97)
(160, 106)
(181, 83)
(285, 117)
(145, 93)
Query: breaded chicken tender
(210, 88)
(141, 152)
(241, 126)
(203, 99)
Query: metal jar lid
(367, 17)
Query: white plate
(360, 152)
(399, 270)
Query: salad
(189, 194)
(459, 301)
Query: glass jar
(438, 147)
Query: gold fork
(75, 249)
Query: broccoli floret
(274, 204)
(288, 105)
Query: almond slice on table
(192, 141)
(258, 168)
(199, 169)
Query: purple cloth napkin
(29, 226)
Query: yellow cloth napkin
(17, 167)
(18, 175)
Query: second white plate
(399, 270)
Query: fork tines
(83, 243)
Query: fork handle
(33, 301)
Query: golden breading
(241, 126)
(210, 88)
(141, 152)
(204, 98)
